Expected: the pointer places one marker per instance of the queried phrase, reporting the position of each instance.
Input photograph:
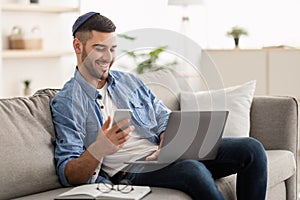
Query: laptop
(190, 135)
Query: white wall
(269, 22)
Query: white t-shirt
(135, 148)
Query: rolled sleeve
(69, 136)
(61, 173)
(162, 115)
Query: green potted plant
(236, 32)
(27, 90)
(34, 1)
(147, 61)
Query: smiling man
(81, 144)
(91, 150)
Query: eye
(100, 49)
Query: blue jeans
(244, 156)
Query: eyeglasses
(123, 187)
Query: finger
(120, 137)
(106, 124)
(123, 140)
(124, 133)
(153, 156)
(121, 125)
(116, 127)
(129, 129)
(120, 146)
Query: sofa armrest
(274, 122)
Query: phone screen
(120, 115)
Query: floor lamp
(185, 67)
(184, 4)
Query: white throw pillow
(164, 86)
(237, 100)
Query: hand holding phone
(121, 114)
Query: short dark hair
(97, 22)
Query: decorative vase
(236, 42)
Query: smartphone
(121, 114)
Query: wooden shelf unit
(23, 54)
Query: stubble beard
(88, 64)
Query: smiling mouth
(103, 64)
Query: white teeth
(103, 64)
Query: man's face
(98, 55)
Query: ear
(77, 45)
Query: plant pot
(27, 91)
(236, 42)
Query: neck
(100, 84)
(94, 82)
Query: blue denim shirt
(77, 117)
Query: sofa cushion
(278, 192)
(277, 161)
(164, 86)
(237, 100)
(27, 137)
(227, 186)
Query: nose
(107, 55)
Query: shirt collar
(87, 87)
(111, 79)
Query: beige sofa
(27, 138)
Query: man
(89, 149)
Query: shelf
(37, 8)
(14, 54)
(266, 49)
